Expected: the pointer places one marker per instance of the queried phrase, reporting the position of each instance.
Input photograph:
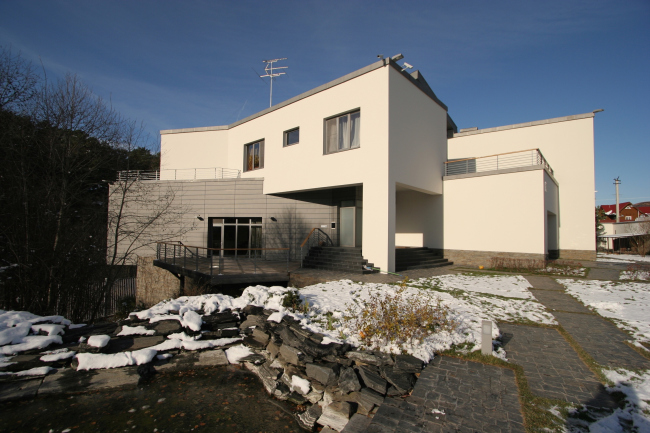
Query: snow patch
(98, 340)
(135, 330)
(94, 361)
(234, 354)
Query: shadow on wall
(285, 229)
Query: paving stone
(19, 389)
(602, 340)
(603, 274)
(357, 424)
(542, 282)
(324, 373)
(551, 366)
(457, 388)
(556, 300)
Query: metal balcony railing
(523, 158)
(180, 174)
(221, 261)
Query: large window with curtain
(254, 156)
(343, 132)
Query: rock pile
(336, 384)
(333, 380)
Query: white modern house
(373, 161)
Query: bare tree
(18, 81)
(641, 240)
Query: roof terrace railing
(523, 158)
(180, 174)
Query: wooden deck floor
(231, 270)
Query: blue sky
(180, 64)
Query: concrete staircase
(345, 259)
(418, 258)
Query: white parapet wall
(567, 143)
(497, 213)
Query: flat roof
(416, 80)
(522, 125)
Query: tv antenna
(269, 69)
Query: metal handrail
(326, 241)
(522, 158)
(180, 174)
(170, 251)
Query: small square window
(254, 156)
(291, 137)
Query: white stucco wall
(568, 146)
(419, 220)
(190, 150)
(504, 212)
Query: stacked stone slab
(343, 382)
(333, 382)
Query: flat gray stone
(324, 373)
(291, 354)
(211, 358)
(408, 363)
(373, 380)
(348, 380)
(166, 327)
(19, 389)
(308, 418)
(267, 374)
(336, 415)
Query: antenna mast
(269, 73)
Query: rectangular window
(343, 132)
(291, 137)
(254, 156)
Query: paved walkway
(455, 395)
(599, 338)
(552, 367)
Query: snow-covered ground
(502, 298)
(635, 275)
(621, 258)
(627, 303)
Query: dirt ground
(217, 399)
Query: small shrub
(292, 300)
(518, 265)
(537, 266)
(398, 319)
(127, 305)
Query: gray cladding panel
(296, 214)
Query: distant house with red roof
(627, 211)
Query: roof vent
(473, 128)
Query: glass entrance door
(231, 233)
(347, 227)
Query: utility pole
(269, 73)
(617, 182)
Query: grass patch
(585, 357)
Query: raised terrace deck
(241, 265)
